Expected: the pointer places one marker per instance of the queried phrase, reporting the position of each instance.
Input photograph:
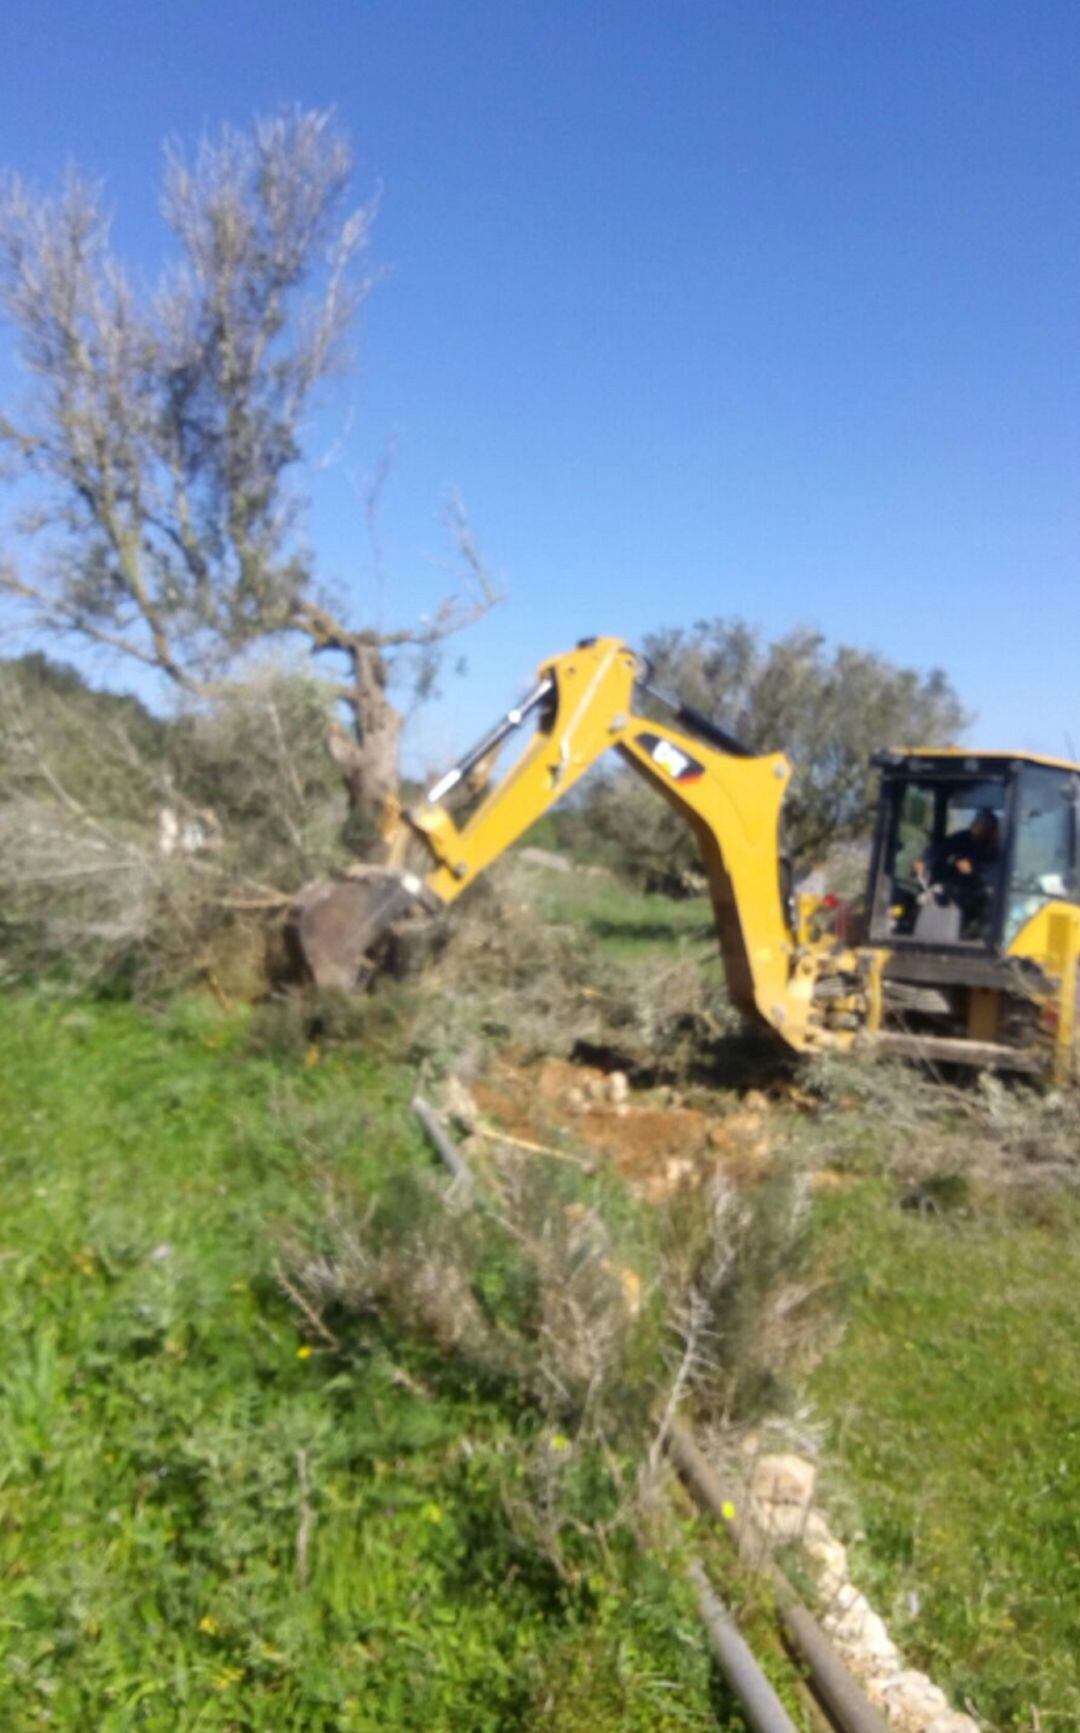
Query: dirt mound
(657, 1142)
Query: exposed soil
(658, 1142)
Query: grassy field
(206, 1519)
(211, 1519)
(954, 1421)
(628, 924)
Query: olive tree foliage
(151, 848)
(158, 447)
(828, 707)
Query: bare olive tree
(158, 449)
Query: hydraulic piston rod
(490, 742)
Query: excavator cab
(970, 848)
(974, 907)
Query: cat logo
(679, 765)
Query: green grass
(627, 923)
(161, 1418)
(163, 1427)
(954, 1405)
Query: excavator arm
(583, 707)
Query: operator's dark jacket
(982, 852)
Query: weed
(595, 1317)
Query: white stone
(459, 1104)
(782, 1490)
(828, 1555)
(911, 1687)
(875, 1642)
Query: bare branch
(164, 433)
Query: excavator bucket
(337, 928)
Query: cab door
(1043, 857)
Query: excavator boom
(582, 705)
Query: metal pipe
(761, 1706)
(842, 1696)
(443, 1143)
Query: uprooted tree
(158, 449)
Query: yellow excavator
(967, 950)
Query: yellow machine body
(786, 969)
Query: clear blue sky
(769, 309)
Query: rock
(782, 1491)
(544, 857)
(829, 1556)
(847, 1615)
(658, 1184)
(618, 1087)
(875, 1643)
(911, 1702)
(862, 1634)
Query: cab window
(940, 870)
(1044, 849)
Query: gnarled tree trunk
(368, 756)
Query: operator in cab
(962, 865)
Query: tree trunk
(368, 757)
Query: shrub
(148, 851)
(593, 1317)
